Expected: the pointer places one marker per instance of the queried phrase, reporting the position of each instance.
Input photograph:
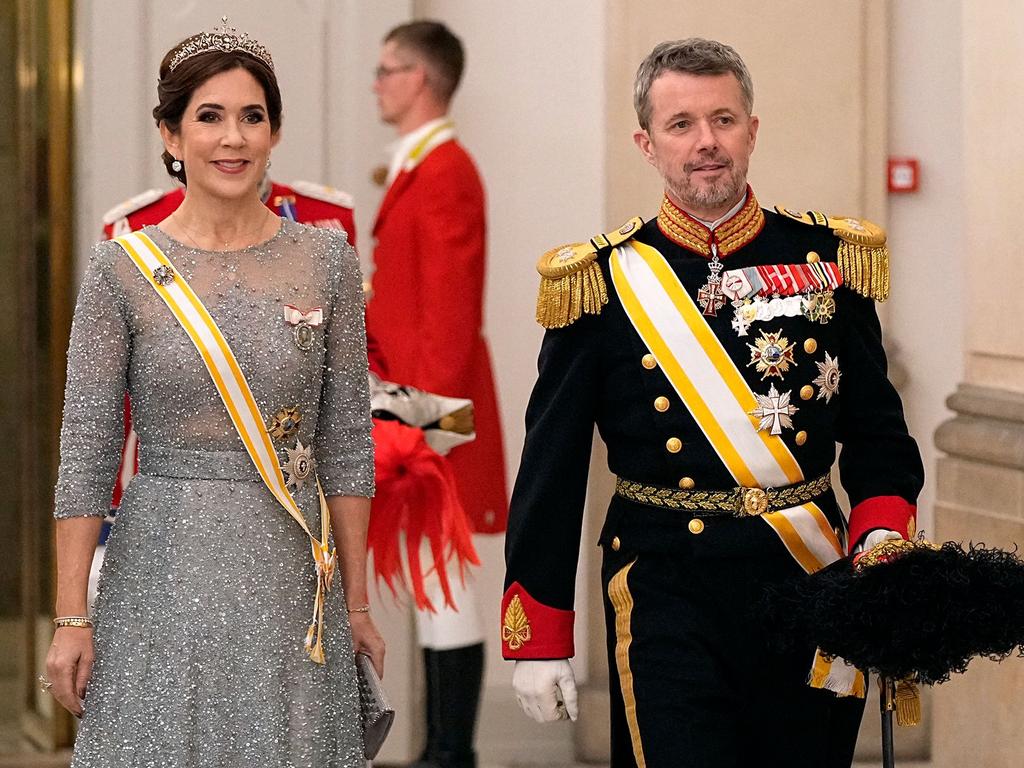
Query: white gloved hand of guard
(546, 690)
(875, 537)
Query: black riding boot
(454, 679)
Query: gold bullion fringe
(865, 269)
(563, 300)
(908, 703)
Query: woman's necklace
(226, 244)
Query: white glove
(875, 537)
(546, 690)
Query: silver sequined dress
(207, 587)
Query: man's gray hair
(693, 56)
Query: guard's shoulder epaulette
(324, 193)
(132, 204)
(863, 256)
(571, 282)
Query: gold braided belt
(738, 502)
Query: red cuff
(532, 630)
(892, 512)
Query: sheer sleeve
(92, 428)
(344, 447)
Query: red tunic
(426, 310)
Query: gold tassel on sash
(908, 703)
(571, 285)
(326, 560)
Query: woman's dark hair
(175, 88)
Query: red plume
(416, 496)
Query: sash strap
(234, 391)
(720, 400)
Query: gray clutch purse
(375, 710)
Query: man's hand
(546, 690)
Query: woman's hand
(69, 666)
(366, 639)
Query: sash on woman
(234, 390)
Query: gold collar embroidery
(729, 236)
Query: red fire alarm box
(904, 174)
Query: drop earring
(268, 164)
(176, 166)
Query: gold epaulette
(571, 282)
(863, 256)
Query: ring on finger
(45, 684)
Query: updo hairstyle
(175, 89)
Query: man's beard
(726, 189)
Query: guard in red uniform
(427, 312)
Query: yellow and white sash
(234, 390)
(720, 400)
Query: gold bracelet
(82, 622)
(360, 609)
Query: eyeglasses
(381, 72)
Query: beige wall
(981, 482)
(993, 45)
(925, 317)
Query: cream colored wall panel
(925, 315)
(114, 134)
(993, 36)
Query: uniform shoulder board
(571, 282)
(862, 255)
(132, 204)
(324, 193)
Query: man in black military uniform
(723, 351)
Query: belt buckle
(753, 502)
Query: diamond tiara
(222, 38)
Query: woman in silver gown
(196, 656)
